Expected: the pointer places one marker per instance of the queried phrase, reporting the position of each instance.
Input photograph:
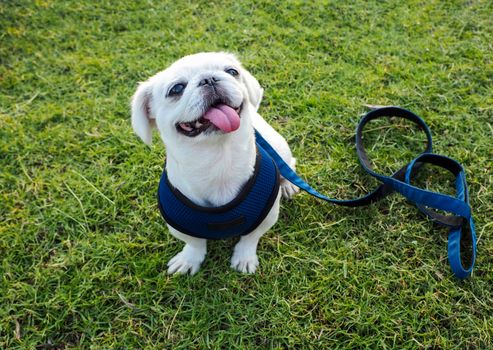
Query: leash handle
(462, 231)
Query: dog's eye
(232, 72)
(177, 89)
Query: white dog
(205, 109)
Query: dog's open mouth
(218, 117)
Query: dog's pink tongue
(224, 117)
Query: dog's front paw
(188, 260)
(244, 262)
(288, 190)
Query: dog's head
(197, 97)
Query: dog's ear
(255, 91)
(142, 122)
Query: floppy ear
(255, 91)
(141, 118)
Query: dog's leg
(244, 257)
(191, 256)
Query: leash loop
(462, 231)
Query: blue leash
(462, 233)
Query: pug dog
(205, 109)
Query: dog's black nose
(208, 81)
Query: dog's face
(198, 97)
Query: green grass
(83, 248)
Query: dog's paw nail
(245, 264)
(180, 264)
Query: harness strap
(462, 233)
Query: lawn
(83, 248)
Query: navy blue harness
(239, 217)
(245, 212)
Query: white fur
(210, 169)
